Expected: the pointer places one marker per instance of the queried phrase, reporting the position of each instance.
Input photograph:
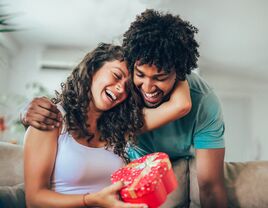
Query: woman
(71, 166)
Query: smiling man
(154, 85)
(162, 51)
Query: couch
(11, 176)
(246, 183)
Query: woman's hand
(175, 108)
(108, 197)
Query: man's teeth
(150, 95)
(112, 95)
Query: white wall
(23, 67)
(244, 100)
(3, 69)
(8, 47)
(26, 69)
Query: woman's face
(109, 85)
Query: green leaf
(5, 26)
(7, 30)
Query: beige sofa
(11, 176)
(247, 183)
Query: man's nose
(147, 85)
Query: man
(162, 51)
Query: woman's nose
(119, 88)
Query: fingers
(129, 205)
(44, 102)
(42, 126)
(45, 107)
(42, 114)
(115, 187)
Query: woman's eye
(117, 76)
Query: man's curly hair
(115, 124)
(164, 40)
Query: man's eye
(161, 79)
(139, 75)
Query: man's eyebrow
(162, 74)
(138, 70)
(156, 75)
(121, 70)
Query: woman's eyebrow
(124, 74)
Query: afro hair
(164, 40)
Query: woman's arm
(40, 150)
(178, 106)
(39, 156)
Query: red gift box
(148, 180)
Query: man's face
(152, 84)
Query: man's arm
(42, 114)
(210, 176)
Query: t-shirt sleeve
(210, 127)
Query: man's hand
(108, 197)
(42, 114)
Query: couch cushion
(11, 164)
(179, 197)
(12, 196)
(246, 184)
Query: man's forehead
(152, 69)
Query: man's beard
(154, 105)
(164, 99)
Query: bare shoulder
(34, 136)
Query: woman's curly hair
(115, 124)
(163, 40)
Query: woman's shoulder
(40, 137)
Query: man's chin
(151, 105)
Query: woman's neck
(93, 115)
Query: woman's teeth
(111, 94)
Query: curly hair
(115, 124)
(163, 40)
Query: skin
(153, 85)
(112, 77)
(209, 166)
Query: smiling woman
(109, 85)
(95, 146)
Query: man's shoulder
(198, 85)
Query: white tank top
(80, 169)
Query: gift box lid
(142, 176)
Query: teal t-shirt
(202, 128)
